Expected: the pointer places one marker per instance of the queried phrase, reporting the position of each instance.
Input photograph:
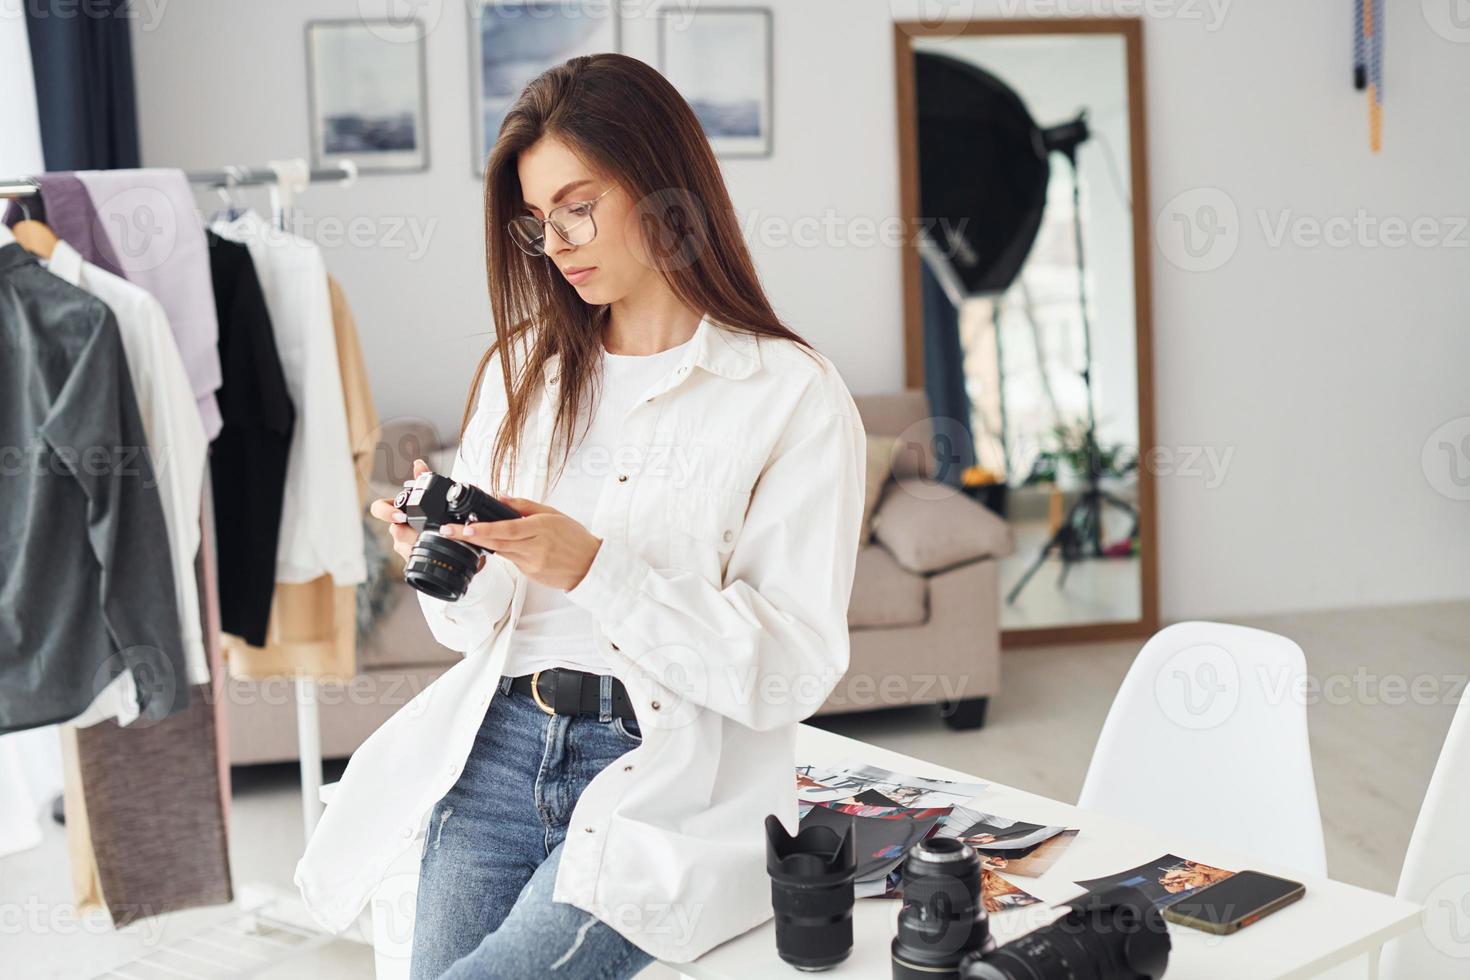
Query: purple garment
(66, 207)
(150, 219)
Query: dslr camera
(438, 566)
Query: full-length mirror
(1027, 304)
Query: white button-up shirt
(177, 445)
(729, 528)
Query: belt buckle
(536, 694)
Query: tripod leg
(1035, 567)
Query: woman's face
(613, 265)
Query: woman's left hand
(547, 545)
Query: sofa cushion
(880, 468)
(928, 526)
(904, 415)
(401, 637)
(883, 594)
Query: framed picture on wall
(367, 95)
(513, 41)
(719, 58)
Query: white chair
(1208, 738)
(1437, 870)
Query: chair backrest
(1437, 870)
(1208, 738)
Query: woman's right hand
(403, 535)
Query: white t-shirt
(552, 631)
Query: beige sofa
(924, 616)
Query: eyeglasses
(572, 222)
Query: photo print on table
(859, 782)
(1165, 880)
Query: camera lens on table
(943, 915)
(811, 893)
(1115, 935)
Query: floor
(1096, 591)
(1373, 754)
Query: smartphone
(1231, 905)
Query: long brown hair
(629, 123)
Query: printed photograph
(1034, 864)
(988, 832)
(1165, 879)
(1000, 895)
(857, 782)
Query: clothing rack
(283, 178)
(223, 178)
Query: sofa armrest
(929, 526)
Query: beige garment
(313, 625)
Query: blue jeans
(494, 843)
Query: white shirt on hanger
(719, 597)
(177, 448)
(553, 631)
(321, 516)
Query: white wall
(1318, 372)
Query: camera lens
(811, 893)
(1115, 936)
(943, 918)
(441, 568)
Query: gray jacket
(86, 587)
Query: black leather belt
(563, 691)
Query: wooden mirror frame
(1131, 29)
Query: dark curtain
(944, 382)
(82, 57)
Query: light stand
(1079, 537)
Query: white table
(1334, 923)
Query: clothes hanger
(34, 236)
(234, 207)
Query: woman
(591, 780)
